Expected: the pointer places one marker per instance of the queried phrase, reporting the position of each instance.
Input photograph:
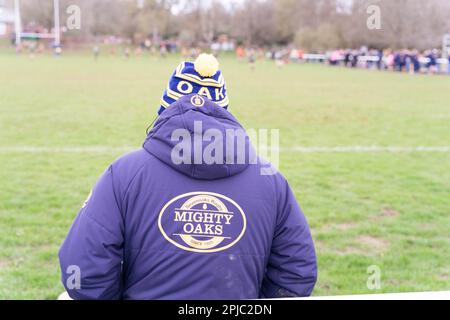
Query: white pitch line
(87, 149)
(294, 149)
(367, 149)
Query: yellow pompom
(206, 65)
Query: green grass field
(390, 209)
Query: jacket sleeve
(292, 266)
(91, 255)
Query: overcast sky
(230, 3)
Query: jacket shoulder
(126, 167)
(136, 157)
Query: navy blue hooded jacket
(153, 228)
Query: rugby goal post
(446, 46)
(56, 35)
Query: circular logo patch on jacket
(197, 101)
(202, 222)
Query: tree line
(313, 25)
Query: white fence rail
(324, 57)
(436, 295)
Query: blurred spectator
(406, 60)
(448, 62)
(431, 64)
(240, 52)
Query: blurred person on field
(389, 58)
(335, 57)
(96, 51)
(127, 53)
(240, 53)
(448, 61)
(166, 222)
(432, 61)
(294, 55)
(251, 58)
(398, 61)
(415, 62)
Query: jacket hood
(200, 139)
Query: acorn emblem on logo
(197, 101)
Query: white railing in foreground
(435, 295)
